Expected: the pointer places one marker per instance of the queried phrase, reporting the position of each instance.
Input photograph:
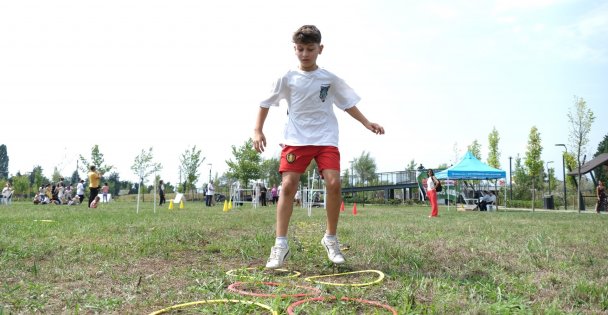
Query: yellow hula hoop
(378, 280)
(178, 306)
(294, 274)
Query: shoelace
(334, 248)
(275, 253)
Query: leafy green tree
(144, 166)
(411, 166)
(56, 175)
(600, 172)
(114, 182)
(21, 184)
(365, 168)
(3, 162)
(247, 164)
(475, 149)
(190, 163)
(36, 177)
(581, 118)
(493, 153)
(534, 165)
(522, 181)
(97, 160)
(75, 178)
(270, 171)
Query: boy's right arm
(259, 140)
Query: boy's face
(307, 54)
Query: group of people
(59, 193)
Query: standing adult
(274, 193)
(80, 190)
(161, 192)
(431, 193)
(94, 180)
(263, 191)
(7, 193)
(209, 196)
(600, 192)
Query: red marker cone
(342, 207)
(355, 208)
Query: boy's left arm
(356, 114)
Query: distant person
(80, 190)
(274, 193)
(94, 180)
(104, 192)
(209, 196)
(431, 193)
(161, 192)
(95, 202)
(311, 133)
(263, 191)
(7, 193)
(600, 192)
(298, 198)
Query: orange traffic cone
(355, 208)
(342, 207)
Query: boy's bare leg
(285, 204)
(333, 198)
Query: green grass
(112, 260)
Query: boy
(311, 133)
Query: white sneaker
(277, 257)
(333, 251)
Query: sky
(128, 75)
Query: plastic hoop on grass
(377, 280)
(225, 301)
(232, 273)
(291, 308)
(235, 287)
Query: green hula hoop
(377, 280)
(294, 274)
(178, 306)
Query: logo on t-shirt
(323, 92)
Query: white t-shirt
(430, 184)
(310, 98)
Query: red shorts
(297, 158)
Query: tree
(411, 166)
(365, 168)
(143, 166)
(21, 185)
(581, 118)
(97, 160)
(522, 180)
(600, 173)
(3, 162)
(475, 149)
(190, 161)
(270, 171)
(493, 153)
(246, 165)
(534, 165)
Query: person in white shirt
(311, 132)
(80, 190)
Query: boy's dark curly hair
(307, 34)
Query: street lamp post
(209, 171)
(549, 175)
(564, 172)
(510, 180)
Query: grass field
(112, 260)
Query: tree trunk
(533, 196)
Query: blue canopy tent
(470, 167)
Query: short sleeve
(277, 93)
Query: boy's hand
(375, 128)
(259, 142)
